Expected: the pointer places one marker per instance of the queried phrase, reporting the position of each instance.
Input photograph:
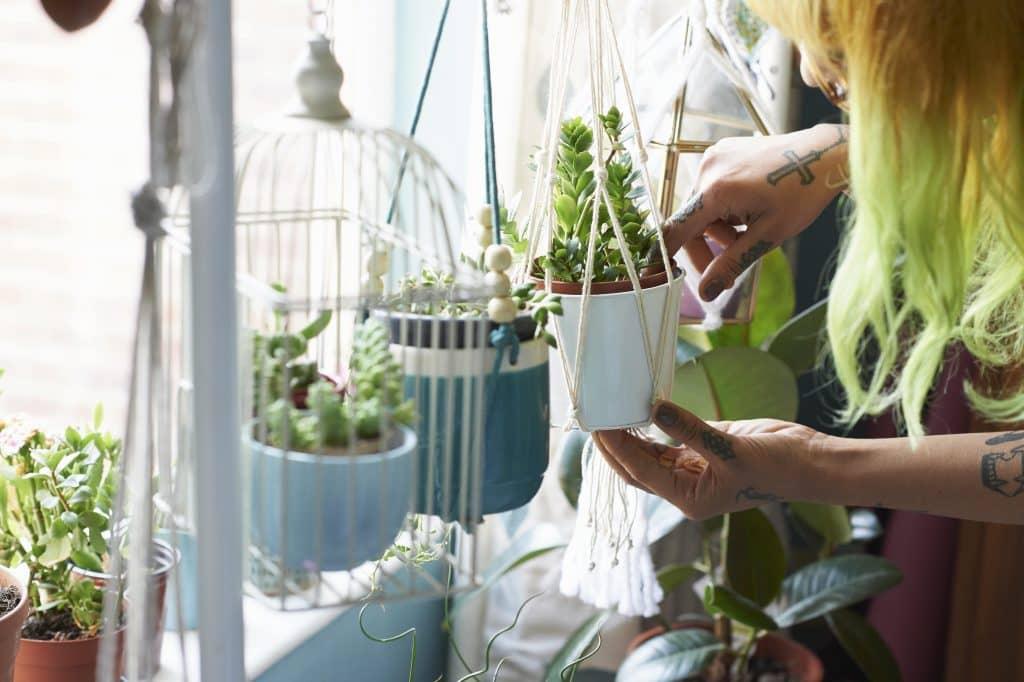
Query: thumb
(693, 432)
(726, 268)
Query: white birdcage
(355, 477)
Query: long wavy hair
(934, 250)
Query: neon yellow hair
(934, 253)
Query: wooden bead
(485, 238)
(498, 282)
(502, 310)
(377, 263)
(498, 257)
(485, 217)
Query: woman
(933, 256)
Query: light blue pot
(338, 511)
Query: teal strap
(489, 153)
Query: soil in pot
(10, 597)
(13, 610)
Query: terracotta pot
(800, 662)
(72, 15)
(68, 661)
(10, 625)
(597, 288)
(165, 559)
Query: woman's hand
(719, 467)
(774, 185)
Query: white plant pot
(616, 388)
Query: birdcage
(362, 394)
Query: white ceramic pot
(616, 388)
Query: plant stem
(745, 652)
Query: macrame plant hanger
(607, 562)
(170, 32)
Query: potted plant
(14, 606)
(338, 474)
(433, 325)
(54, 490)
(616, 383)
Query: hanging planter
(332, 484)
(457, 358)
(616, 382)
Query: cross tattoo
(797, 164)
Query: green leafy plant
(55, 513)
(278, 356)
(575, 200)
(337, 419)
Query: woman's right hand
(775, 185)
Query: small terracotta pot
(10, 625)
(597, 288)
(165, 559)
(68, 661)
(72, 15)
(800, 662)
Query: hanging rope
(418, 113)
(489, 146)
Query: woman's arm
(970, 476)
(726, 466)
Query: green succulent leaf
(674, 576)
(831, 522)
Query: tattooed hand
(718, 467)
(752, 193)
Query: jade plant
(339, 418)
(55, 505)
(575, 199)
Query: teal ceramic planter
(329, 512)
(483, 445)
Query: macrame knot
(642, 154)
(505, 340)
(601, 174)
(148, 212)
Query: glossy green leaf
(755, 557)
(671, 657)
(832, 584)
(774, 302)
(720, 599)
(748, 383)
(97, 416)
(87, 560)
(692, 390)
(316, 327)
(570, 464)
(798, 342)
(864, 645)
(673, 576)
(56, 551)
(831, 522)
(563, 666)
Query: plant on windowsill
(615, 356)
(57, 492)
(359, 434)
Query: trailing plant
(574, 198)
(336, 419)
(55, 512)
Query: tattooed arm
(725, 466)
(751, 194)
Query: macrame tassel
(608, 561)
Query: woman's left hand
(718, 467)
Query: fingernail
(713, 289)
(666, 415)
